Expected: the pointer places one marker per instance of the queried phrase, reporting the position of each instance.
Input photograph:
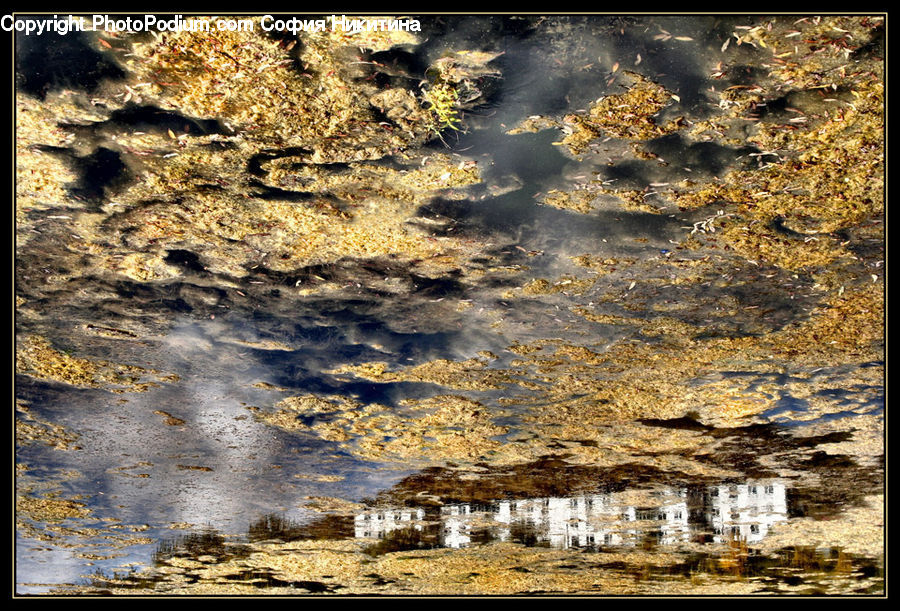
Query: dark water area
(188, 399)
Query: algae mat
(451, 305)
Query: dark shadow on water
(205, 543)
(185, 259)
(406, 539)
(99, 173)
(274, 526)
(134, 117)
(254, 166)
(704, 158)
(51, 62)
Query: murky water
(252, 360)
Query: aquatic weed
(443, 100)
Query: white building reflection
(667, 516)
(376, 524)
(746, 511)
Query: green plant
(443, 101)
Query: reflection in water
(378, 523)
(746, 511)
(689, 535)
(729, 512)
(309, 375)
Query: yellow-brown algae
(168, 418)
(491, 569)
(267, 386)
(292, 235)
(327, 504)
(250, 82)
(867, 442)
(31, 429)
(41, 177)
(656, 380)
(147, 267)
(629, 115)
(37, 358)
(49, 508)
(858, 530)
(443, 428)
(565, 284)
(472, 374)
(600, 265)
(283, 419)
(311, 405)
(179, 200)
(818, 176)
(533, 124)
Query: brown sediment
(579, 201)
(445, 427)
(283, 114)
(472, 374)
(267, 386)
(288, 410)
(41, 178)
(283, 419)
(81, 537)
(327, 504)
(629, 115)
(600, 265)
(580, 391)
(37, 358)
(146, 267)
(821, 170)
(564, 284)
(456, 428)
(866, 443)
(533, 124)
(311, 404)
(51, 434)
(858, 530)
(664, 375)
(282, 235)
(49, 508)
(320, 477)
(344, 567)
(251, 83)
(168, 418)
(31, 429)
(194, 468)
(322, 111)
(845, 330)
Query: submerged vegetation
(443, 101)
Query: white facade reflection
(746, 511)
(376, 524)
(667, 516)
